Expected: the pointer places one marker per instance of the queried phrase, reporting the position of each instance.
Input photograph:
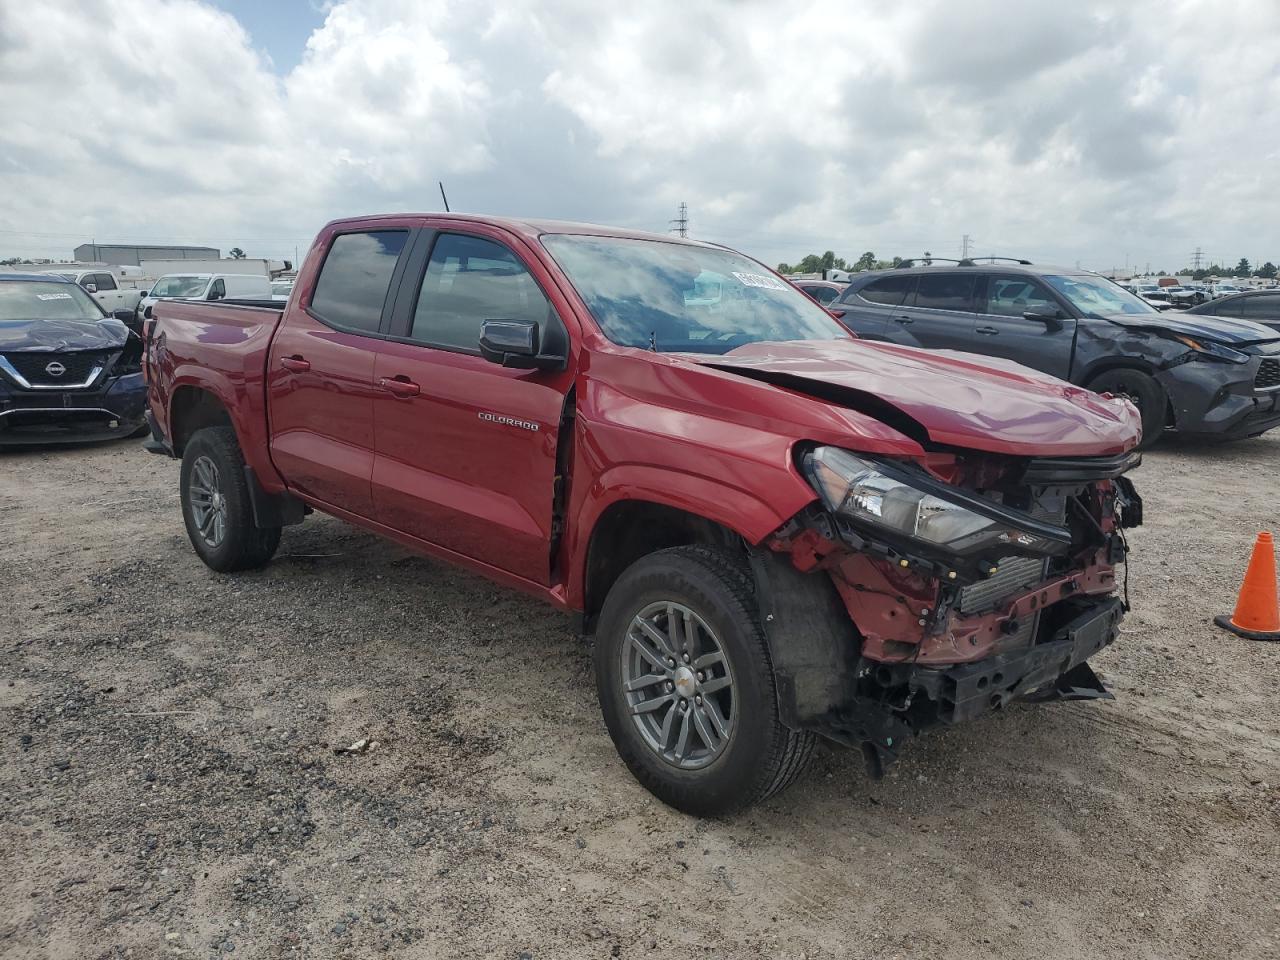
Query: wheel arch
(629, 529)
(194, 407)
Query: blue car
(69, 372)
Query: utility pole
(680, 224)
(965, 241)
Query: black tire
(241, 544)
(1146, 394)
(760, 756)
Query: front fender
(735, 509)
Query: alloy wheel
(678, 685)
(208, 504)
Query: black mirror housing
(514, 343)
(1051, 320)
(125, 316)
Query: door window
(353, 283)
(1014, 296)
(218, 290)
(470, 280)
(104, 281)
(1260, 307)
(889, 292)
(945, 291)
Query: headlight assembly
(916, 510)
(1210, 349)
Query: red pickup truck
(774, 532)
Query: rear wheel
(216, 507)
(1147, 395)
(686, 683)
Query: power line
(680, 224)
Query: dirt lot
(170, 786)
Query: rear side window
(1014, 296)
(823, 295)
(889, 292)
(356, 275)
(1262, 307)
(945, 291)
(470, 280)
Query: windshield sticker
(53, 296)
(756, 280)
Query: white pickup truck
(114, 293)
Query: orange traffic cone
(1257, 615)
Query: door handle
(402, 387)
(905, 319)
(296, 364)
(987, 330)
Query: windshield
(676, 297)
(46, 300)
(1093, 295)
(180, 287)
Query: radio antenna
(443, 197)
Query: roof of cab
(531, 229)
(46, 277)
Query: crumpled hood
(58, 336)
(1219, 329)
(958, 399)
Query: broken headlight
(913, 507)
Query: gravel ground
(170, 785)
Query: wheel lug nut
(686, 658)
(684, 704)
(698, 700)
(701, 676)
(670, 662)
(670, 685)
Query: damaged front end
(953, 585)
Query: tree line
(820, 263)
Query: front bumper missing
(910, 699)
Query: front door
(1004, 331)
(320, 371)
(466, 449)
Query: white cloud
(1073, 132)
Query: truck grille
(76, 367)
(1268, 377)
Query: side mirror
(1051, 319)
(836, 312)
(514, 343)
(125, 316)
(91, 287)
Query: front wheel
(216, 507)
(1147, 395)
(686, 683)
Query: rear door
(874, 310)
(320, 370)
(1002, 330)
(466, 449)
(940, 315)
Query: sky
(1097, 133)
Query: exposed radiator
(1014, 574)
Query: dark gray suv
(1195, 374)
